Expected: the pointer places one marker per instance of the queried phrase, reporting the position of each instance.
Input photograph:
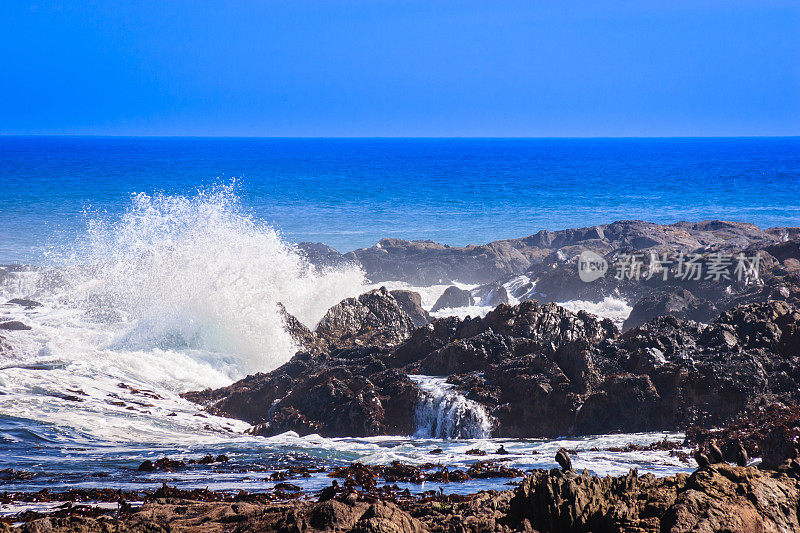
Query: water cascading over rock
(444, 413)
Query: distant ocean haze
(350, 193)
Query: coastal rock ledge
(716, 498)
(538, 370)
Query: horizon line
(397, 137)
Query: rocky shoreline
(718, 359)
(538, 371)
(717, 497)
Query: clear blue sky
(400, 68)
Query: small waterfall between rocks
(444, 413)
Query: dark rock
(373, 319)
(677, 302)
(343, 393)
(14, 325)
(563, 460)
(622, 403)
(538, 371)
(304, 337)
(332, 515)
(24, 302)
(453, 297)
(411, 303)
(428, 263)
(322, 255)
(475, 451)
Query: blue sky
(400, 68)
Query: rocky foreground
(715, 498)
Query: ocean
(350, 193)
(158, 265)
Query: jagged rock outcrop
(453, 297)
(411, 303)
(707, 375)
(428, 263)
(306, 339)
(716, 498)
(373, 319)
(323, 256)
(537, 369)
(14, 325)
(348, 392)
(341, 384)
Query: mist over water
(178, 293)
(199, 272)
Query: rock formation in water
(544, 266)
(693, 352)
(453, 297)
(427, 262)
(537, 370)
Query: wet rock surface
(411, 303)
(715, 498)
(696, 352)
(14, 325)
(373, 319)
(538, 370)
(677, 302)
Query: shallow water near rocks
(56, 459)
(181, 294)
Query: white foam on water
(179, 293)
(429, 294)
(615, 309)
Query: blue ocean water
(350, 193)
(178, 290)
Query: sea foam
(200, 272)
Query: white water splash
(179, 293)
(199, 272)
(444, 413)
(615, 309)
